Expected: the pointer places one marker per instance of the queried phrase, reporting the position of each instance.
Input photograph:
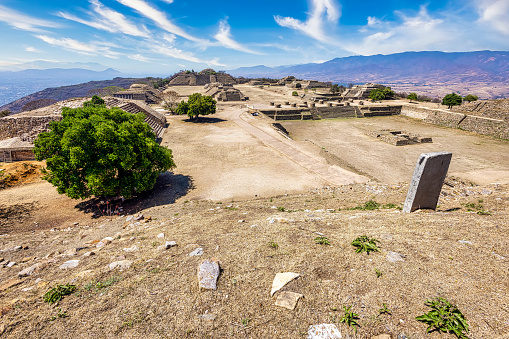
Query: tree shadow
(205, 120)
(168, 188)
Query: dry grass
(159, 295)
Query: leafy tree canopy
(197, 105)
(96, 101)
(471, 97)
(452, 99)
(412, 96)
(102, 152)
(381, 94)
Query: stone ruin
(224, 92)
(207, 76)
(141, 92)
(287, 80)
(360, 92)
(309, 84)
(399, 138)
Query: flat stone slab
(208, 272)
(122, 265)
(69, 264)
(288, 299)
(281, 279)
(324, 331)
(427, 181)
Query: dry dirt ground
(258, 211)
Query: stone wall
(27, 128)
(482, 125)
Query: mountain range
(484, 71)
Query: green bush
(102, 152)
(294, 93)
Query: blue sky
(159, 37)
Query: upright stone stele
(427, 181)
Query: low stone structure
(140, 92)
(207, 76)
(399, 138)
(224, 92)
(287, 80)
(16, 149)
(360, 92)
(308, 84)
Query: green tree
(96, 101)
(452, 99)
(412, 96)
(471, 97)
(102, 152)
(197, 105)
(381, 93)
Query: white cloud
(409, 33)
(324, 13)
(109, 20)
(495, 13)
(31, 49)
(158, 17)
(80, 47)
(225, 38)
(138, 57)
(168, 1)
(171, 51)
(24, 22)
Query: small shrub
(294, 93)
(245, 322)
(350, 318)
(378, 274)
(281, 209)
(322, 240)
(273, 245)
(364, 244)
(384, 310)
(57, 292)
(369, 205)
(444, 317)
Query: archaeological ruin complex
(207, 76)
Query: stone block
(427, 181)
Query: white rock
(160, 235)
(281, 279)
(169, 244)
(88, 254)
(465, 242)
(11, 263)
(324, 331)
(395, 257)
(122, 265)
(288, 299)
(133, 248)
(69, 264)
(28, 271)
(208, 272)
(198, 251)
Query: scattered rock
(29, 270)
(382, 336)
(242, 220)
(133, 248)
(160, 235)
(288, 299)
(208, 272)
(273, 220)
(498, 256)
(88, 254)
(198, 251)
(324, 331)
(17, 248)
(25, 259)
(395, 257)
(11, 263)
(10, 283)
(281, 279)
(139, 217)
(465, 242)
(129, 218)
(122, 265)
(169, 244)
(69, 264)
(70, 252)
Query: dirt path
(333, 174)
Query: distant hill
(486, 72)
(16, 84)
(67, 92)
